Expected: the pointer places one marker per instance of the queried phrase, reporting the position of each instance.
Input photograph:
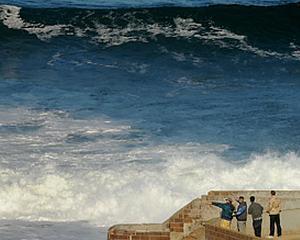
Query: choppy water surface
(124, 115)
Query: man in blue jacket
(226, 213)
(241, 214)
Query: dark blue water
(99, 104)
(139, 3)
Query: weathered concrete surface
(187, 223)
(217, 233)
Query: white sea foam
(10, 15)
(139, 31)
(295, 50)
(72, 170)
(184, 28)
(131, 193)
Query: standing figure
(256, 211)
(274, 209)
(241, 214)
(227, 212)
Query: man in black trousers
(274, 209)
(256, 211)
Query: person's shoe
(270, 237)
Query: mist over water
(125, 115)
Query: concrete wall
(139, 232)
(139, 235)
(187, 223)
(217, 233)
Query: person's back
(274, 206)
(256, 211)
(274, 209)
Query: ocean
(124, 111)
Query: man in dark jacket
(256, 210)
(241, 214)
(227, 212)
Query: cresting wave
(202, 26)
(89, 130)
(83, 172)
(10, 17)
(136, 194)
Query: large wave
(63, 159)
(221, 26)
(133, 193)
(84, 172)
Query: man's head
(228, 200)
(241, 199)
(252, 199)
(273, 193)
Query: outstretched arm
(217, 204)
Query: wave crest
(118, 27)
(106, 196)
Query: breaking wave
(198, 26)
(126, 114)
(133, 193)
(83, 172)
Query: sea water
(114, 112)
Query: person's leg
(225, 224)
(242, 226)
(255, 228)
(256, 233)
(272, 225)
(277, 221)
(238, 226)
(259, 228)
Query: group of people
(255, 210)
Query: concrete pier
(199, 221)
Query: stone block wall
(136, 235)
(217, 233)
